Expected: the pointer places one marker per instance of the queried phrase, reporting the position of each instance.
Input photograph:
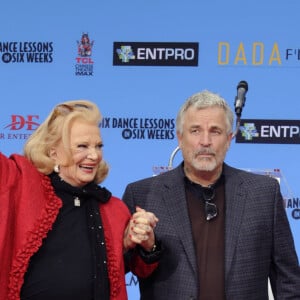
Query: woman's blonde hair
(55, 129)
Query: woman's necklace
(76, 201)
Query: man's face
(204, 140)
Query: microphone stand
(170, 164)
(237, 126)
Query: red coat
(28, 209)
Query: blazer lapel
(175, 200)
(235, 205)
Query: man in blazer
(224, 231)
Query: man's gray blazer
(258, 240)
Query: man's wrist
(152, 249)
(153, 255)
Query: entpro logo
(269, 131)
(155, 54)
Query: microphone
(240, 99)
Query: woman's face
(86, 148)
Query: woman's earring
(56, 168)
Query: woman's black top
(71, 263)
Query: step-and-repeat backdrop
(139, 61)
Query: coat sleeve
(137, 265)
(134, 260)
(285, 269)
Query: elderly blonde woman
(62, 235)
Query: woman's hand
(140, 230)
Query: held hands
(140, 230)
